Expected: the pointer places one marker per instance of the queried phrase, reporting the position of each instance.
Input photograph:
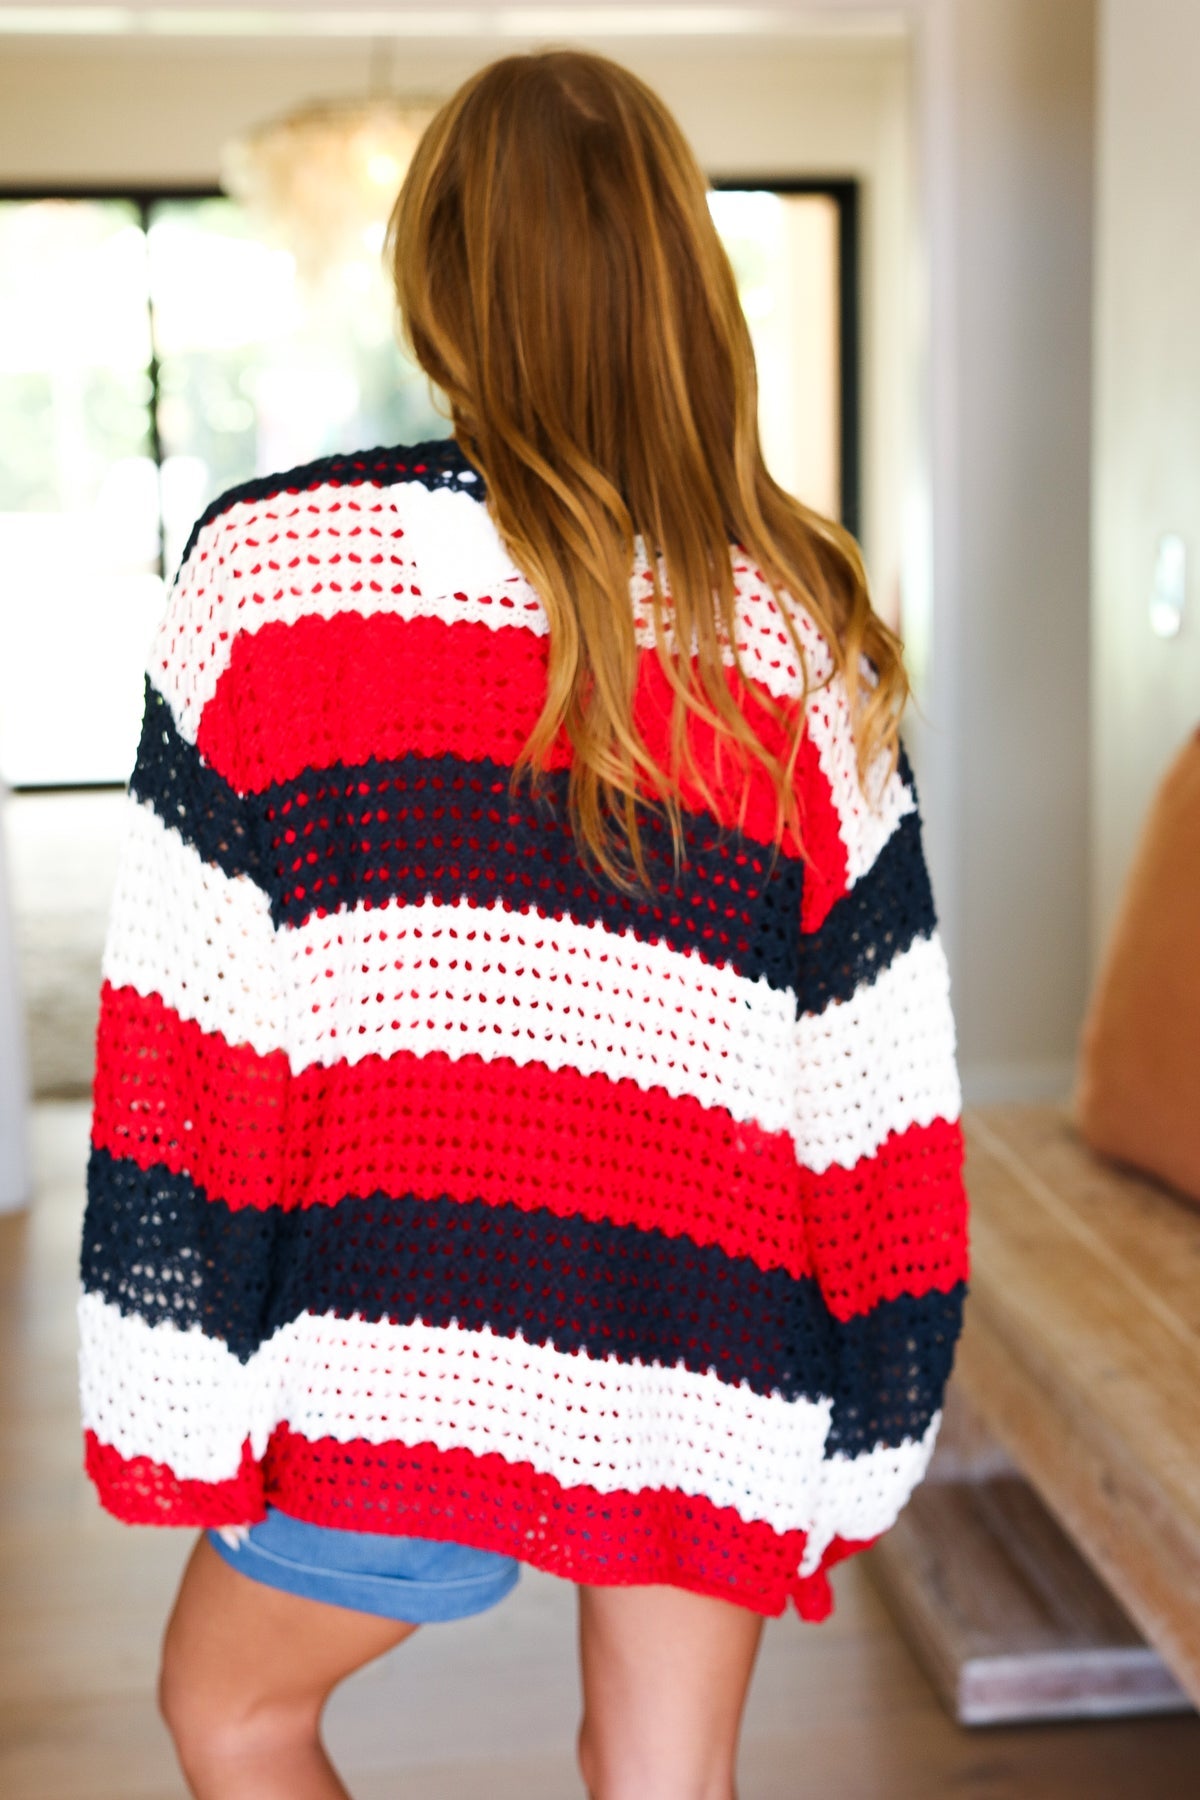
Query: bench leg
(1004, 1615)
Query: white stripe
(865, 824)
(878, 1062)
(459, 979)
(465, 980)
(416, 552)
(186, 1401)
(859, 1497)
(485, 981)
(413, 552)
(201, 940)
(175, 1396)
(402, 549)
(866, 820)
(429, 553)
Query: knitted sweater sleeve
(877, 1124)
(191, 1007)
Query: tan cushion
(1139, 1088)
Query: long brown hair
(560, 279)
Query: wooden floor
(483, 1710)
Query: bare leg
(665, 1677)
(246, 1673)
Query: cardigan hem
(137, 1491)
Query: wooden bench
(1072, 1444)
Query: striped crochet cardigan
(439, 1187)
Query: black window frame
(846, 194)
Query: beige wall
(1147, 451)
(1005, 98)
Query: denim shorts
(419, 1580)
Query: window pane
(784, 251)
(78, 489)
(258, 371)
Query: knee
(215, 1729)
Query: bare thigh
(665, 1678)
(246, 1672)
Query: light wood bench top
(1082, 1351)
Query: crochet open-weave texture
(441, 1186)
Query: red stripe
(896, 1223)
(168, 1094)
(343, 690)
(474, 1129)
(577, 1533)
(607, 1150)
(738, 798)
(144, 1492)
(527, 1136)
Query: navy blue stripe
(186, 793)
(442, 827)
(885, 911)
(437, 463)
(451, 829)
(155, 1246)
